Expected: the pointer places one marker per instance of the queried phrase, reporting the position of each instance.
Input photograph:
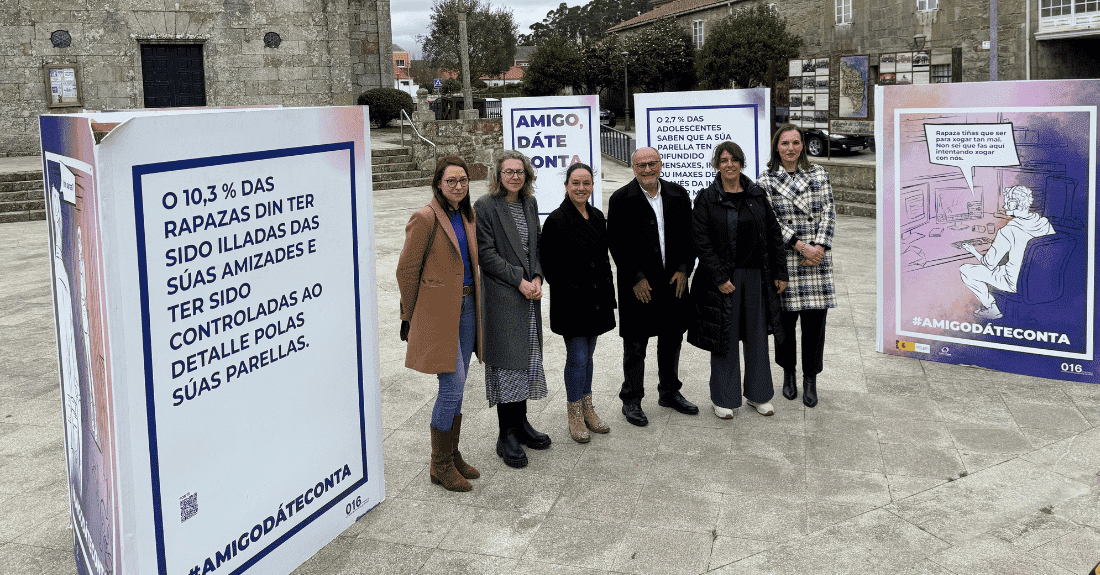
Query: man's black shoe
(678, 403)
(634, 414)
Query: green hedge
(385, 104)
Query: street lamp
(626, 92)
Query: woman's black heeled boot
(809, 390)
(790, 389)
(525, 433)
(508, 446)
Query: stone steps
(398, 184)
(394, 168)
(21, 197)
(855, 209)
(853, 183)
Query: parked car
(816, 138)
(607, 118)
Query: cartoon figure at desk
(1008, 245)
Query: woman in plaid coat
(802, 200)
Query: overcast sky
(410, 18)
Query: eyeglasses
(512, 173)
(456, 183)
(647, 165)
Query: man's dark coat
(632, 238)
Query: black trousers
(813, 340)
(668, 365)
(748, 325)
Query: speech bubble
(967, 146)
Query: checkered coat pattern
(803, 204)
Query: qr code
(189, 506)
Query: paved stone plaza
(905, 466)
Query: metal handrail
(617, 144)
(405, 116)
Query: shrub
(385, 104)
(452, 86)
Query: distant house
(696, 16)
(523, 55)
(401, 65)
(512, 76)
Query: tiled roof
(671, 9)
(513, 73)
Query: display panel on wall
(808, 81)
(904, 68)
(852, 87)
(63, 85)
(987, 213)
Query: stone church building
(60, 56)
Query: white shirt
(658, 209)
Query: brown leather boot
(592, 420)
(576, 424)
(465, 469)
(443, 470)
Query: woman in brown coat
(441, 311)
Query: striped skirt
(509, 385)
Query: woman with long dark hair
(582, 303)
(440, 309)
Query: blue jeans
(578, 366)
(448, 403)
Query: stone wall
(476, 141)
(331, 51)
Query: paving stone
(994, 557)
(577, 542)
(965, 508)
(657, 551)
(492, 532)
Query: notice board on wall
(215, 298)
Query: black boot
(809, 390)
(508, 447)
(526, 434)
(790, 389)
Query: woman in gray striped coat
(511, 282)
(802, 199)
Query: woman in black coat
(582, 299)
(740, 254)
